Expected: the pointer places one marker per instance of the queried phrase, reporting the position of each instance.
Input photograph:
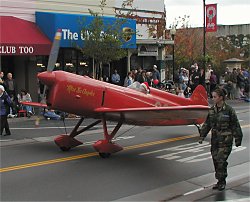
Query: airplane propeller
(53, 57)
(54, 50)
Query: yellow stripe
(59, 160)
(41, 163)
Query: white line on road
(53, 127)
(6, 140)
(194, 191)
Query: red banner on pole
(211, 17)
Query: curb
(198, 188)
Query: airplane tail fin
(199, 96)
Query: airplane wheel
(65, 148)
(104, 155)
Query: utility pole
(173, 32)
(204, 37)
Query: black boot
(216, 186)
(221, 185)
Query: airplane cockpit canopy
(139, 87)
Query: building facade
(150, 26)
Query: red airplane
(133, 105)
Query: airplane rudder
(200, 95)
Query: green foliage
(103, 43)
(189, 46)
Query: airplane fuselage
(84, 96)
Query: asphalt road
(34, 169)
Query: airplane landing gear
(66, 142)
(106, 147)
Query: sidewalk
(200, 188)
(32, 118)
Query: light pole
(173, 32)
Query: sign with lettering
(22, 49)
(72, 24)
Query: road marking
(59, 160)
(41, 163)
(55, 127)
(194, 191)
(6, 140)
(177, 148)
(179, 153)
(193, 159)
(187, 149)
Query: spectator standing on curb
(115, 79)
(207, 79)
(11, 89)
(1, 78)
(138, 73)
(240, 83)
(223, 122)
(195, 78)
(228, 83)
(5, 106)
(234, 82)
(156, 73)
(142, 77)
(213, 82)
(128, 80)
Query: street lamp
(173, 32)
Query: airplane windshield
(138, 87)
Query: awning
(21, 37)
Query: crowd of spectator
(187, 79)
(236, 82)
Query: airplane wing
(35, 104)
(158, 116)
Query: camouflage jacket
(224, 125)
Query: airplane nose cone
(47, 78)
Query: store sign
(147, 50)
(72, 24)
(17, 50)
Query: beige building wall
(25, 9)
(153, 9)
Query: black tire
(104, 155)
(65, 148)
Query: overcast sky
(229, 12)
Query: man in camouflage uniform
(223, 122)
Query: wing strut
(66, 142)
(75, 132)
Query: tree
(103, 41)
(189, 46)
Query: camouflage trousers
(220, 156)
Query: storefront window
(70, 60)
